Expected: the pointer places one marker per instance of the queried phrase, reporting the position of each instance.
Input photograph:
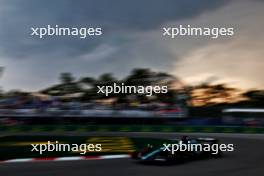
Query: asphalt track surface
(246, 160)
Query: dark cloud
(34, 63)
(114, 16)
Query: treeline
(87, 86)
(203, 95)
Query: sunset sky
(132, 38)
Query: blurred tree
(139, 76)
(88, 85)
(106, 79)
(206, 94)
(66, 78)
(87, 80)
(255, 95)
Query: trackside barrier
(130, 128)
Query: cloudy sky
(132, 38)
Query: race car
(166, 152)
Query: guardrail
(130, 128)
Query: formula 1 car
(167, 152)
